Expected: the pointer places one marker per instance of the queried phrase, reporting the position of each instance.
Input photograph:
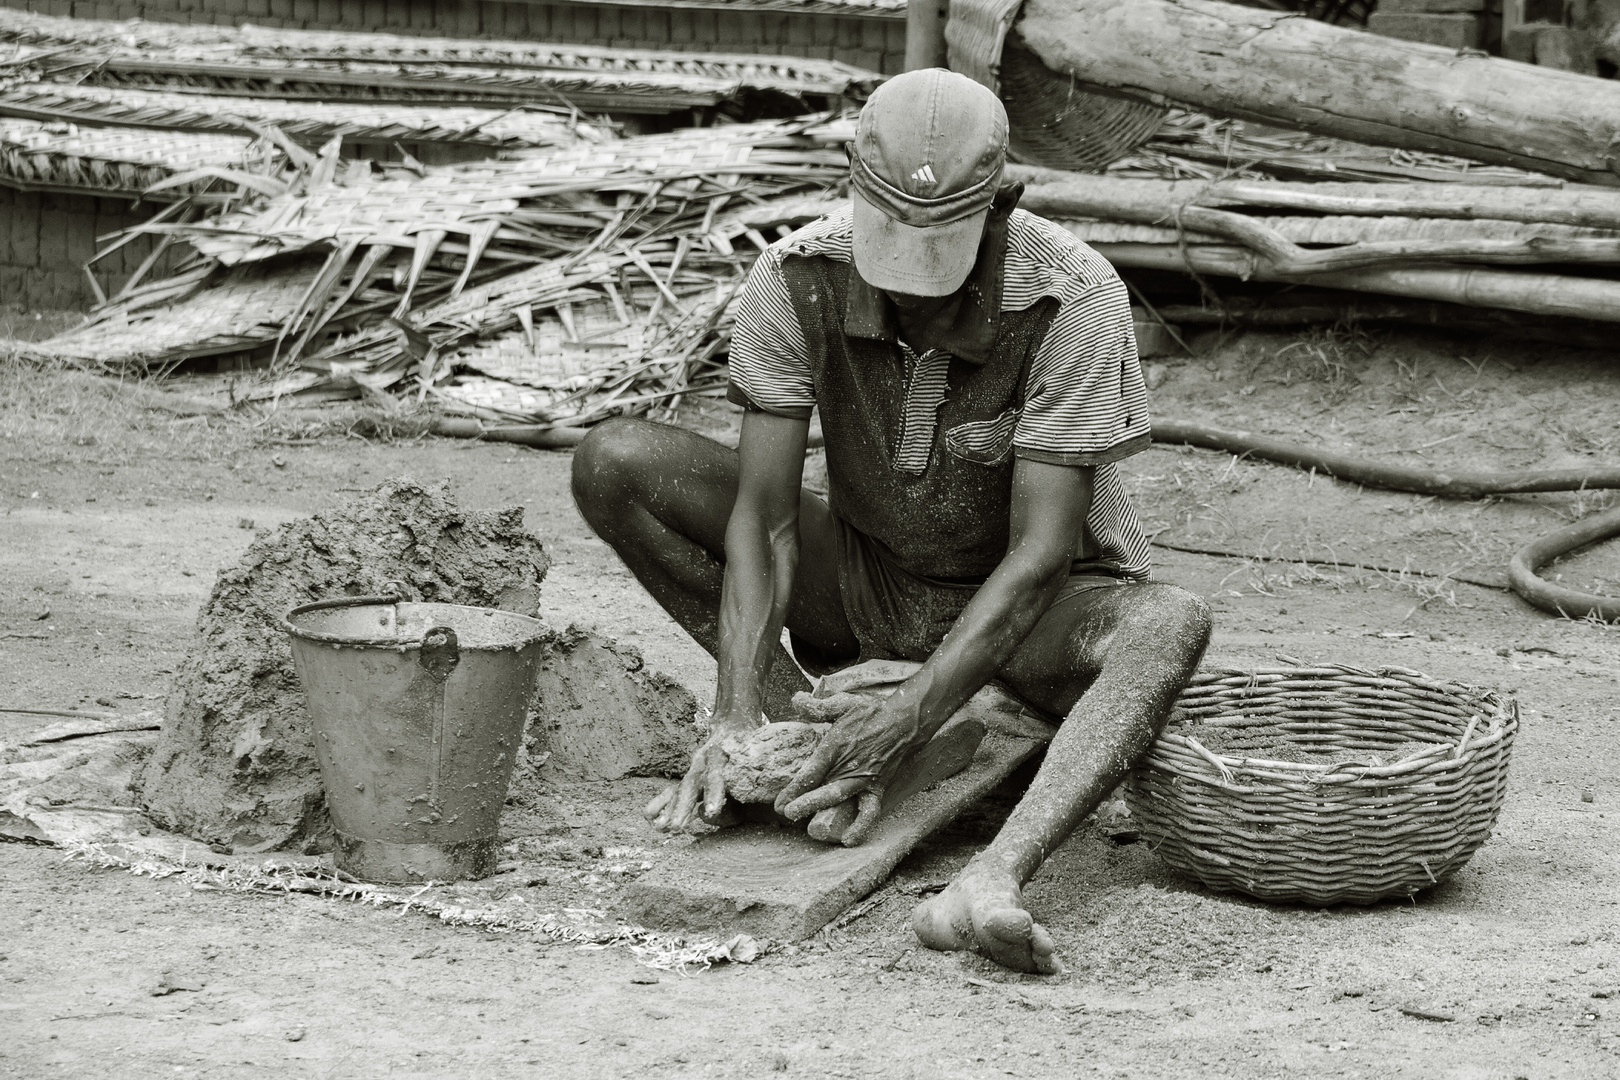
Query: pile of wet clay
(761, 763)
(235, 766)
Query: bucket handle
(396, 596)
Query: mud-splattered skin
(1110, 661)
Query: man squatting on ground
(978, 380)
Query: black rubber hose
(1453, 483)
(1459, 484)
(1549, 597)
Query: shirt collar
(870, 314)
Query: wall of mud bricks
(878, 44)
(45, 240)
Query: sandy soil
(114, 521)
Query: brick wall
(46, 239)
(877, 44)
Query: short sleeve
(770, 368)
(1086, 403)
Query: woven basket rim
(1495, 723)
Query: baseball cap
(929, 151)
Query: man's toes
(1043, 950)
(1005, 936)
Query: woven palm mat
(305, 121)
(322, 64)
(245, 308)
(789, 74)
(120, 161)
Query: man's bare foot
(983, 911)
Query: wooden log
(1287, 70)
(925, 34)
(1055, 193)
(1283, 256)
(1512, 290)
(1313, 308)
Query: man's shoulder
(831, 236)
(1045, 259)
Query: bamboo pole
(1055, 193)
(1513, 290)
(925, 34)
(1307, 308)
(1284, 69)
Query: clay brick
(281, 9)
(705, 29)
(539, 17)
(255, 10)
(632, 24)
(1448, 31)
(304, 12)
(610, 24)
(421, 15)
(13, 284)
(492, 17)
(870, 59)
(574, 24)
(680, 26)
(731, 32)
(469, 21)
(657, 32)
(53, 237)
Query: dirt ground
(115, 520)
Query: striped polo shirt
(1084, 401)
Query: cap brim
(896, 257)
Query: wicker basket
(1387, 784)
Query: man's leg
(661, 496)
(1111, 661)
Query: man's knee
(609, 464)
(1174, 615)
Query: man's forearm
(760, 563)
(987, 633)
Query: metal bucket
(417, 710)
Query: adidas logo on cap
(925, 174)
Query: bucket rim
(536, 633)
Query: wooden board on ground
(774, 882)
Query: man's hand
(701, 794)
(857, 759)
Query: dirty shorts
(899, 615)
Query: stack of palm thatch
(553, 288)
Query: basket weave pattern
(1335, 823)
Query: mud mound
(235, 766)
(600, 713)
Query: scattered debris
(1423, 1014)
(665, 952)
